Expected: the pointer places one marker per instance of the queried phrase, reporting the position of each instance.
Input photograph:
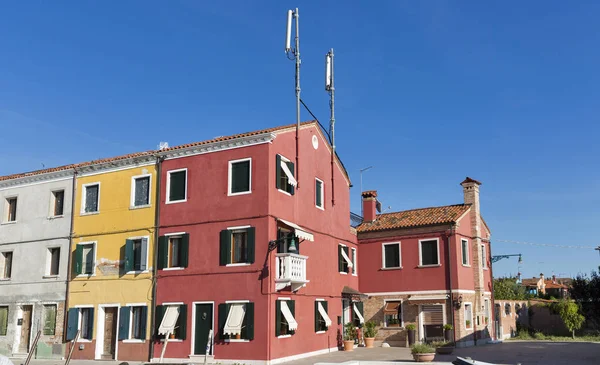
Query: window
(91, 198)
(517, 309)
(240, 172)
(132, 322)
(53, 261)
(392, 314)
(507, 310)
(180, 310)
(468, 315)
(49, 319)
(237, 246)
(285, 322)
(86, 323)
(177, 186)
(58, 203)
(287, 242)
(391, 255)
(6, 259)
(236, 321)
(319, 194)
(322, 320)
(483, 257)
(429, 253)
(136, 254)
(140, 191)
(486, 310)
(465, 252)
(284, 173)
(11, 209)
(344, 262)
(173, 251)
(3, 320)
(85, 261)
(353, 261)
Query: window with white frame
(136, 254)
(173, 251)
(85, 258)
(391, 255)
(10, 214)
(49, 319)
(319, 196)
(57, 203)
(177, 186)
(429, 252)
(137, 327)
(90, 202)
(284, 173)
(236, 321)
(6, 260)
(483, 256)
(240, 176)
(486, 310)
(285, 311)
(344, 261)
(353, 261)
(140, 191)
(392, 313)
(237, 246)
(322, 320)
(468, 315)
(465, 252)
(86, 323)
(53, 261)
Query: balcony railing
(290, 269)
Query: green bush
(421, 348)
(448, 326)
(370, 330)
(350, 332)
(411, 327)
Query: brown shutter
(432, 314)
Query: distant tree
(570, 314)
(509, 289)
(585, 291)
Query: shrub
(370, 330)
(448, 326)
(437, 344)
(421, 348)
(411, 327)
(350, 332)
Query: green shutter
(225, 257)
(90, 333)
(292, 305)
(124, 313)
(182, 322)
(340, 259)
(359, 306)
(184, 250)
(291, 167)
(278, 172)
(277, 317)
(222, 318)
(129, 256)
(249, 319)
(345, 264)
(78, 259)
(318, 197)
(251, 246)
(317, 316)
(159, 313)
(49, 320)
(163, 252)
(72, 323)
(3, 320)
(144, 323)
(324, 304)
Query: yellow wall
(109, 228)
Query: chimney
(554, 278)
(471, 196)
(369, 203)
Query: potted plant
(411, 333)
(422, 352)
(448, 332)
(369, 333)
(349, 336)
(443, 347)
(468, 323)
(393, 322)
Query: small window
(507, 310)
(353, 261)
(240, 176)
(140, 196)
(86, 323)
(344, 260)
(285, 313)
(58, 203)
(53, 261)
(11, 209)
(3, 320)
(6, 259)
(392, 314)
(285, 177)
(429, 253)
(322, 320)
(486, 311)
(391, 255)
(468, 315)
(170, 311)
(49, 319)
(177, 186)
(174, 252)
(483, 257)
(138, 323)
(465, 252)
(236, 321)
(319, 194)
(85, 263)
(237, 246)
(91, 195)
(136, 253)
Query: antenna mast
(295, 54)
(330, 87)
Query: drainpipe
(492, 300)
(159, 160)
(449, 234)
(69, 260)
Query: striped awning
(235, 319)
(431, 299)
(358, 314)
(391, 307)
(289, 317)
(167, 325)
(298, 231)
(291, 180)
(324, 314)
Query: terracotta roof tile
(369, 193)
(415, 218)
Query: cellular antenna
(294, 54)
(329, 87)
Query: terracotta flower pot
(349, 345)
(369, 342)
(238, 336)
(172, 336)
(424, 357)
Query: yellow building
(110, 290)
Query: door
(110, 333)
(497, 318)
(25, 328)
(203, 324)
(433, 322)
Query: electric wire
(545, 244)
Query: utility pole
(295, 53)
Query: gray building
(34, 246)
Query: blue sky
(427, 92)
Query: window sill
(235, 340)
(171, 340)
(134, 341)
(285, 192)
(354, 274)
(284, 336)
(399, 328)
(469, 329)
(4, 279)
(466, 265)
(426, 266)
(85, 275)
(320, 332)
(176, 201)
(343, 273)
(392, 268)
(240, 193)
(50, 277)
(240, 264)
(485, 268)
(55, 217)
(83, 341)
(318, 207)
(88, 213)
(137, 272)
(11, 222)
(134, 207)
(173, 268)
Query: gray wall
(29, 239)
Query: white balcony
(290, 270)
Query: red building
(250, 248)
(427, 267)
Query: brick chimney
(369, 202)
(471, 194)
(554, 278)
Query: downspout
(69, 256)
(492, 300)
(449, 234)
(159, 160)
